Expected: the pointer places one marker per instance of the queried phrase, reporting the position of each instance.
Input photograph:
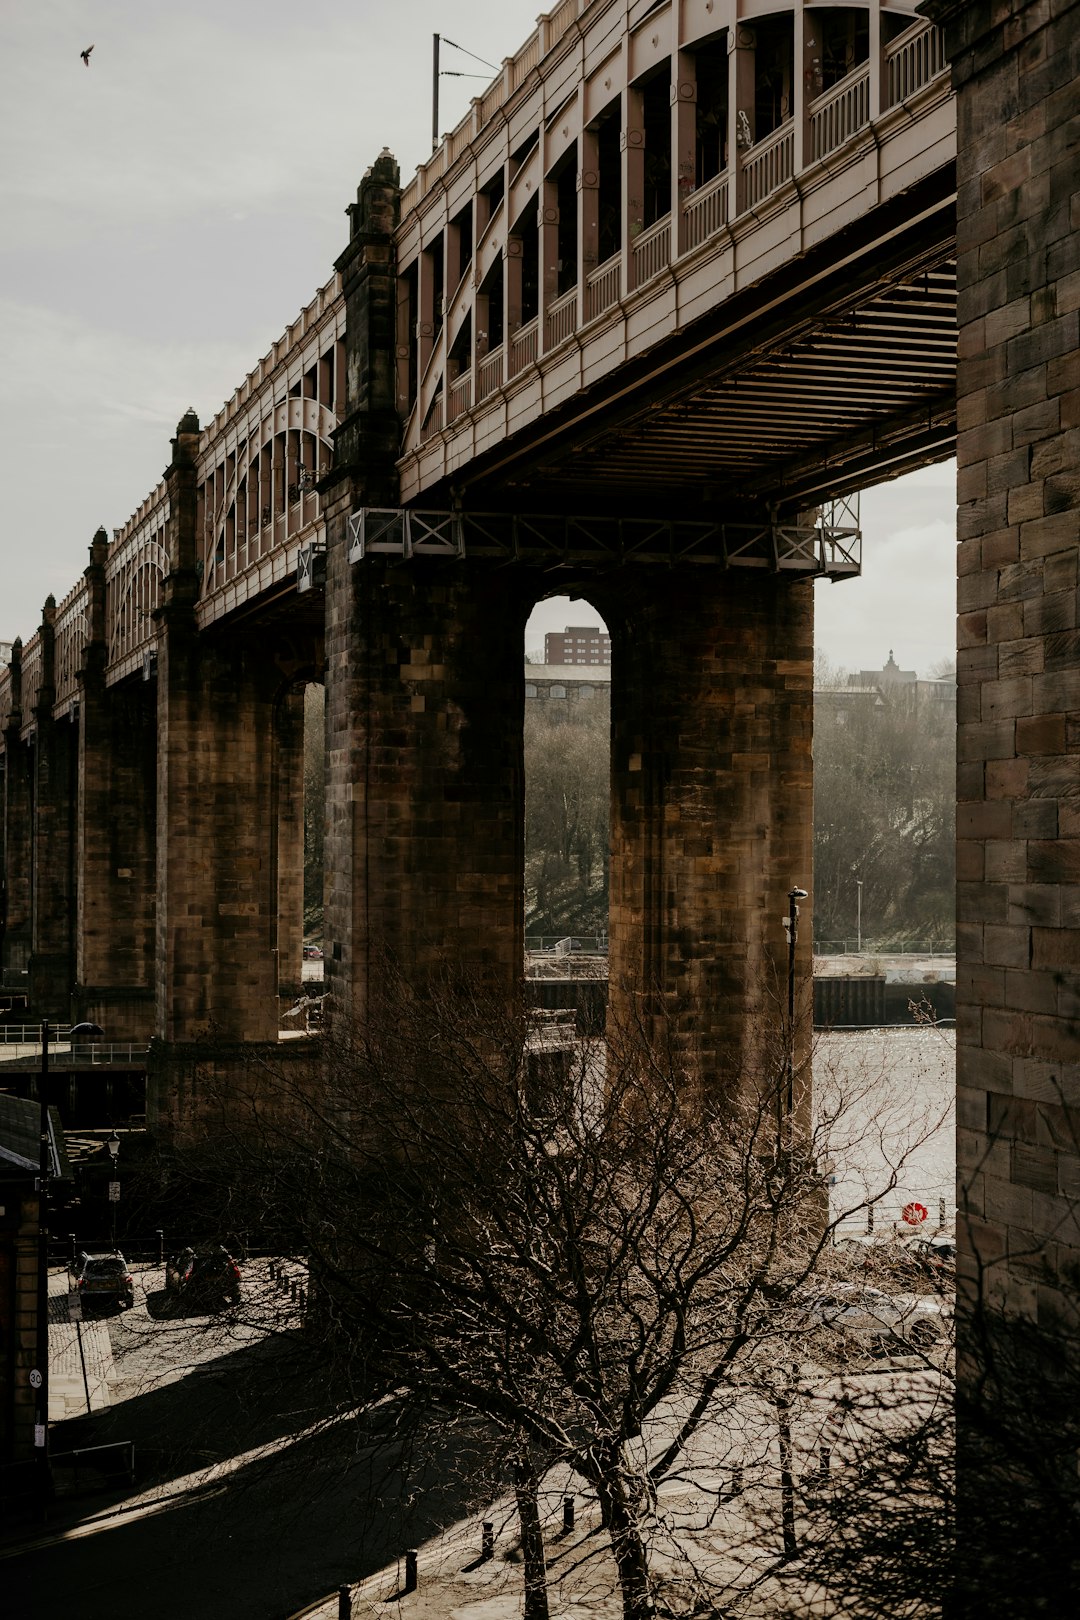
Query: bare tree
(581, 1249)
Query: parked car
(881, 1323)
(313, 953)
(207, 1276)
(102, 1279)
(935, 1256)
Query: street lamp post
(791, 925)
(858, 922)
(113, 1145)
(39, 1376)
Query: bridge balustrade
(768, 165)
(912, 60)
(72, 630)
(524, 346)
(840, 113)
(603, 285)
(652, 251)
(32, 674)
(136, 565)
(490, 374)
(810, 133)
(561, 319)
(705, 211)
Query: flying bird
(86, 55)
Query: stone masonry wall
(1016, 68)
(712, 804)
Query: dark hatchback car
(101, 1279)
(208, 1276)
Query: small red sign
(914, 1214)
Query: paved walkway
(80, 1358)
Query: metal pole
(789, 1089)
(858, 884)
(41, 1412)
(434, 91)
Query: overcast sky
(169, 209)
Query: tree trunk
(526, 1491)
(627, 1545)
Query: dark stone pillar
(52, 954)
(18, 840)
(712, 808)
(287, 816)
(216, 897)
(1016, 72)
(425, 858)
(115, 845)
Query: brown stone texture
(116, 858)
(17, 844)
(55, 743)
(1016, 68)
(216, 883)
(425, 794)
(287, 831)
(712, 722)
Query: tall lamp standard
(39, 1376)
(791, 925)
(113, 1145)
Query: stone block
(1053, 612)
(982, 902)
(1054, 860)
(1006, 945)
(1040, 734)
(1037, 818)
(1030, 992)
(1006, 780)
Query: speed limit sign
(914, 1214)
(35, 1378)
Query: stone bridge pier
(711, 745)
(229, 845)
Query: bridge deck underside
(826, 380)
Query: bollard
(410, 1570)
(487, 1539)
(292, 1287)
(941, 1210)
(71, 1246)
(567, 1514)
(736, 1480)
(301, 1298)
(870, 1219)
(160, 1235)
(344, 1603)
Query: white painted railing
(652, 251)
(912, 60)
(602, 287)
(460, 397)
(837, 115)
(561, 319)
(705, 211)
(489, 374)
(524, 347)
(433, 422)
(769, 164)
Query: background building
(577, 644)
